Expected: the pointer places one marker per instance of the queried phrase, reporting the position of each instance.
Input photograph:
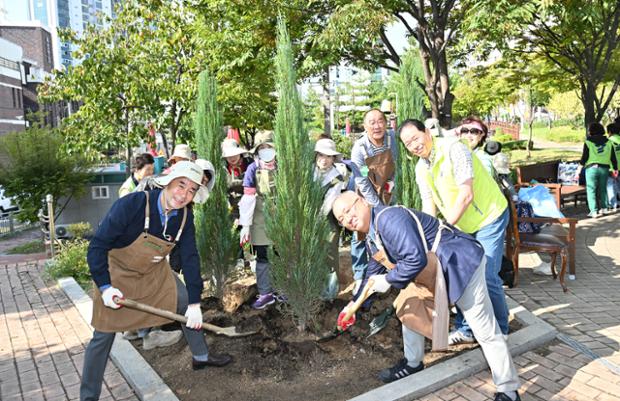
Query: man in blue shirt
(403, 236)
(127, 258)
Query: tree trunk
(326, 102)
(588, 95)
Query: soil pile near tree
(279, 363)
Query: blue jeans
(613, 189)
(359, 257)
(491, 237)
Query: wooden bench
(546, 174)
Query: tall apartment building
(12, 116)
(55, 15)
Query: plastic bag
(543, 203)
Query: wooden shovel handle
(164, 313)
(360, 300)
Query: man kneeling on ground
(127, 257)
(401, 239)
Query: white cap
(206, 165)
(230, 147)
(189, 170)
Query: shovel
(226, 331)
(337, 331)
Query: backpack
(524, 209)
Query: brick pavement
(589, 313)
(42, 340)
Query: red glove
(345, 324)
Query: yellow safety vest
(488, 204)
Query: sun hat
(263, 138)
(181, 151)
(189, 170)
(230, 147)
(501, 162)
(327, 147)
(206, 165)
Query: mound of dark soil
(279, 363)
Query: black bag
(507, 273)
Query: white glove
(108, 297)
(194, 316)
(244, 235)
(380, 283)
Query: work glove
(380, 283)
(194, 316)
(244, 235)
(108, 297)
(345, 324)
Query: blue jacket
(459, 253)
(125, 222)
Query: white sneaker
(594, 215)
(604, 211)
(130, 335)
(457, 337)
(160, 338)
(543, 269)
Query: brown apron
(132, 272)
(422, 306)
(381, 168)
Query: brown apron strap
(147, 213)
(182, 225)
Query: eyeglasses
(347, 211)
(472, 131)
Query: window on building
(101, 192)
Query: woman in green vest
(597, 159)
(613, 181)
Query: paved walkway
(587, 317)
(42, 340)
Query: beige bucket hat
(188, 170)
(327, 147)
(181, 151)
(263, 138)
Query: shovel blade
(232, 332)
(378, 323)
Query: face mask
(267, 154)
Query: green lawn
(36, 246)
(564, 134)
(519, 157)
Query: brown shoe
(214, 360)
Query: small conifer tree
(409, 104)
(292, 215)
(214, 233)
